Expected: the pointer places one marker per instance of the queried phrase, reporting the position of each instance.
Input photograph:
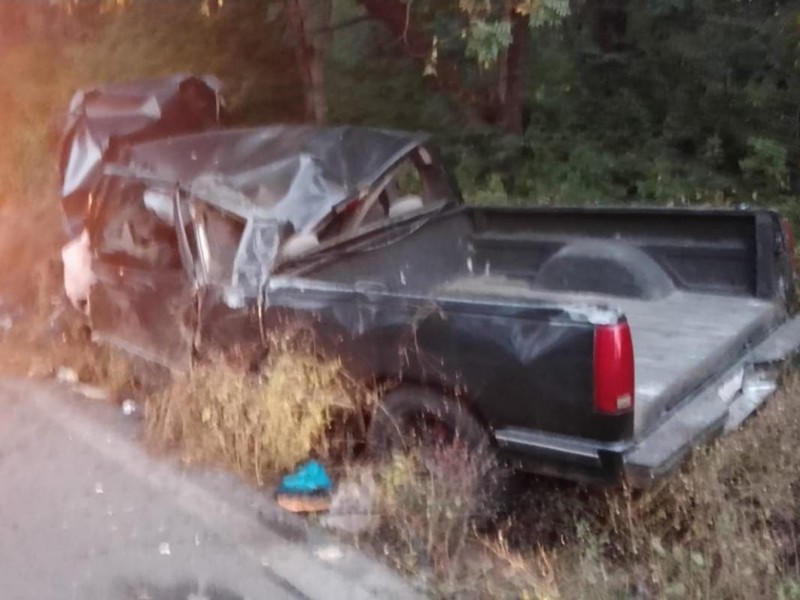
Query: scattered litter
(66, 375)
(308, 478)
(78, 276)
(329, 553)
(305, 490)
(55, 315)
(351, 505)
(129, 407)
(98, 488)
(304, 503)
(39, 370)
(92, 392)
(163, 549)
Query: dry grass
(256, 424)
(726, 527)
(428, 501)
(46, 332)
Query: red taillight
(613, 369)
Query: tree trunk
(310, 22)
(499, 102)
(608, 20)
(514, 80)
(418, 45)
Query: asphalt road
(87, 514)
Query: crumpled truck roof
(104, 119)
(294, 174)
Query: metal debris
(129, 407)
(67, 375)
(351, 506)
(329, 553)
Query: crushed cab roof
(292, 173)
(106, 118)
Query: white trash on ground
(78, 275)
(129, 407)
(351, 505)
(67, 375)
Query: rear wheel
(446, 439)
(414, 416)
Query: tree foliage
(545, 101)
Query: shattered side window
(218, 238)
(407, 181)
(135, 228)
(415, 184)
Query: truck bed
(521, 294)
(680, 341)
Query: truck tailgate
(685, 339)
(719, 406)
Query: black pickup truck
(587, 343)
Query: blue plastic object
(308, 478)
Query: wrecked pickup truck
(586, 343)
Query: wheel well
(607, 267)
(450, 392)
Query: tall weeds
(258, 424)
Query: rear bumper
(562, 456)
(720, 406)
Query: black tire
(391, 431)
(407, 405)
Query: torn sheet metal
(103, 120)
(255, 257)
(146, 312)
(237, 194)
(289, 173)
(78, 275)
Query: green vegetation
(595, 102)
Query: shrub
(765, 164)
(427, 501)
(256, 424)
